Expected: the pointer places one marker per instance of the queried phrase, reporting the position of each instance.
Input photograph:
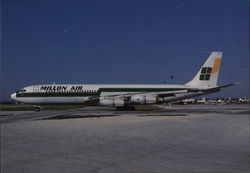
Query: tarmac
(178, 139)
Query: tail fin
(208, 74)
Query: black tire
(132, 108)
(119, 108)
(37, 109)
(125, 108)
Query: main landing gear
(125, 108)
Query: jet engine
(144, 99)
(112, 101)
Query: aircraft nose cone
(13, 96)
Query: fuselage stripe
(99, 91)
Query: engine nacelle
(143, 99)
(111, 101)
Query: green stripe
(85, 94)
(138, 89)
(56, 94)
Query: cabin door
(35, 89)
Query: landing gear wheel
(125, 108)
(37, 109)
(131, 108)
(119, 108)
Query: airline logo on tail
(216, 66)
(206, 72)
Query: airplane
(124, 96)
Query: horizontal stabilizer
(223, 86)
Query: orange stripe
(216, 66)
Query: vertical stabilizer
(208, 74)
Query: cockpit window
(21, 91)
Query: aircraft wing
(160, 94)
(175, 93)
(169, 93)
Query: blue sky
(122, 41)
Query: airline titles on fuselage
(61, 88)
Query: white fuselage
(78, 93)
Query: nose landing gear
(37, 108)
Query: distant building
(201, 101)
